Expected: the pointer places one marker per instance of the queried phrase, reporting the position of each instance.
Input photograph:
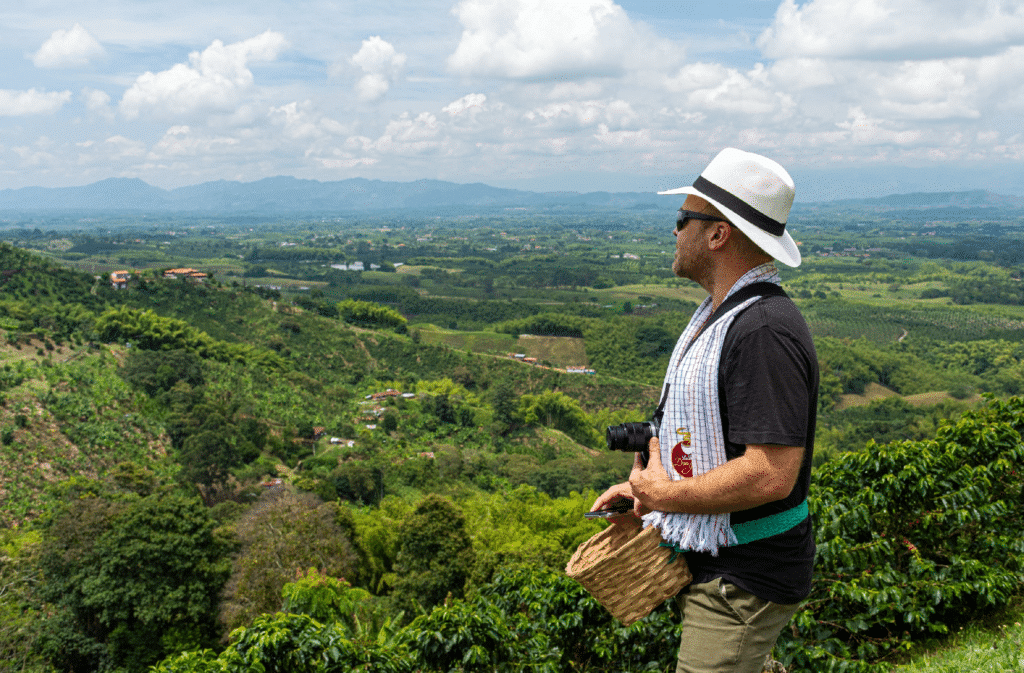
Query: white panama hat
(755, 194)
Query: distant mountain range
(976, 198)
(282, 195)
(287, 194)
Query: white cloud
(1001, 82)
(529, 39)
(930, 90)
(798, 74)
(714, 87)
(470, 104)
(301, 122)
(31, 102)
(113, 149)
(632, 140)
(863, 130)
(68, 49)
(583, 114)
(916, 29)
(955, 89)
(381, 65)
(345, 162)
(98, 102)
(181, 141)
(409, 134)
(37, 155)
(217, 79)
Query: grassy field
(559, 351)
(489, 343)
(992, 648)
(874, 391)
(687, 292)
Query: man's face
(691, 260)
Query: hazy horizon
(882, 96)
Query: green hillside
(361, 451)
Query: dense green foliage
(435, 554)
(148, 331)
(130, 579)
(337, 527)
(528, 619)
(368, 314)
(19, 614)
(914, 537)
(282, 533)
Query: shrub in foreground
(913, 537)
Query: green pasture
(410, 269)
(490, 343)
(559, 351)
(873, 291)
(875, 391)
(687, 291)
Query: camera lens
(630, 436)
(617, 438)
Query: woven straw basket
(627, 572)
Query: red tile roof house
(119, 279)
(390, 392)
(188, 274)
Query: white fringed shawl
(691, 429)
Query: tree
(561, 412)
(212, 436)
(654, 341)
(561, 476)
(369, 314)
(157, 371)
(129, 581)
(19, 614)
(442, 408)
(436, 555)
(359, 482)
(331, 599)
(281, 534)
(505, 403)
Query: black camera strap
(759, 289)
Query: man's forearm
(763, 474)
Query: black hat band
(740, 207)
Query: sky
(854, 97)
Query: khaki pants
(726, 629)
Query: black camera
(633, 436)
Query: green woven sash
(758, 529)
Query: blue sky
(853, 96)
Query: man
(729, 471)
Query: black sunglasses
(683, 215)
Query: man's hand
(616, 492)
(646, 483)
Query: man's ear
(718, 234)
